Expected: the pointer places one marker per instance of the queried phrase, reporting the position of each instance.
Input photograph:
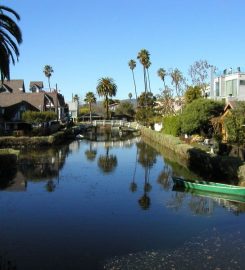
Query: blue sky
(86, 40)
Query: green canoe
(209, 186)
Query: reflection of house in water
(18, 183)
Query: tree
(235, 124)
(192, 93)
(90, 99)
(144, 58)
(178, 82)
(196, 116)
(162, 74)
(106, 87)
(199, 73)
(146, 113)
(10, 34)
(148, 64)
(48, 70)
(166, 102)
(132, 66)
(125, 108)
(130, 95)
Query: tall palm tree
(90, 98)
(10, 34)
(107, 88)
(48, 70)
(148, 64)
(162, 74)
(132, 66)
(144, 58)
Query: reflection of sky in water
(91, 216)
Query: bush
(172, 125)
(38, 117)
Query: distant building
(36, 86)
(230, 85)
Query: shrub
(172, 125)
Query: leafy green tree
(196, 116)
(48, 70)
(125, 108)
(192, 93)
(130, 96)
(172, 125)
(235, 124)
(10, 38)
(145, 113)
(132, 66)
(107, 88)
(90, 99)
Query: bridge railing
(113, 123)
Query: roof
(54, 95)
(231, 105)
(35, 99)
(13, 86)
(38, 84)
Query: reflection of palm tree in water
(133, 185)
(147, 158)
(107, 163)
(91, 153)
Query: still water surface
(96, 205)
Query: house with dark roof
(12, 86)
(14, 101)
(36, 86)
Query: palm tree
(48, 70)
(144, 58)
(132, 66)
(9, 31)
(106, 87)
(162, 74)
(148, 64)
(90, 98)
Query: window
(242, 82)
(231, 88)
(217, 89)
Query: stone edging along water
(198, 161)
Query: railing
(113, 123)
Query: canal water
(111, 205)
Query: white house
(230, 85)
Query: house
(73, 110)
(218, 122)
(12, 86)
(228, 86)
(36, 86)
(14, 101)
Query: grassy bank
(201, 163)
(35, 141)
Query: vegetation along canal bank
(203, 164)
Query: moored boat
(209, 186)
